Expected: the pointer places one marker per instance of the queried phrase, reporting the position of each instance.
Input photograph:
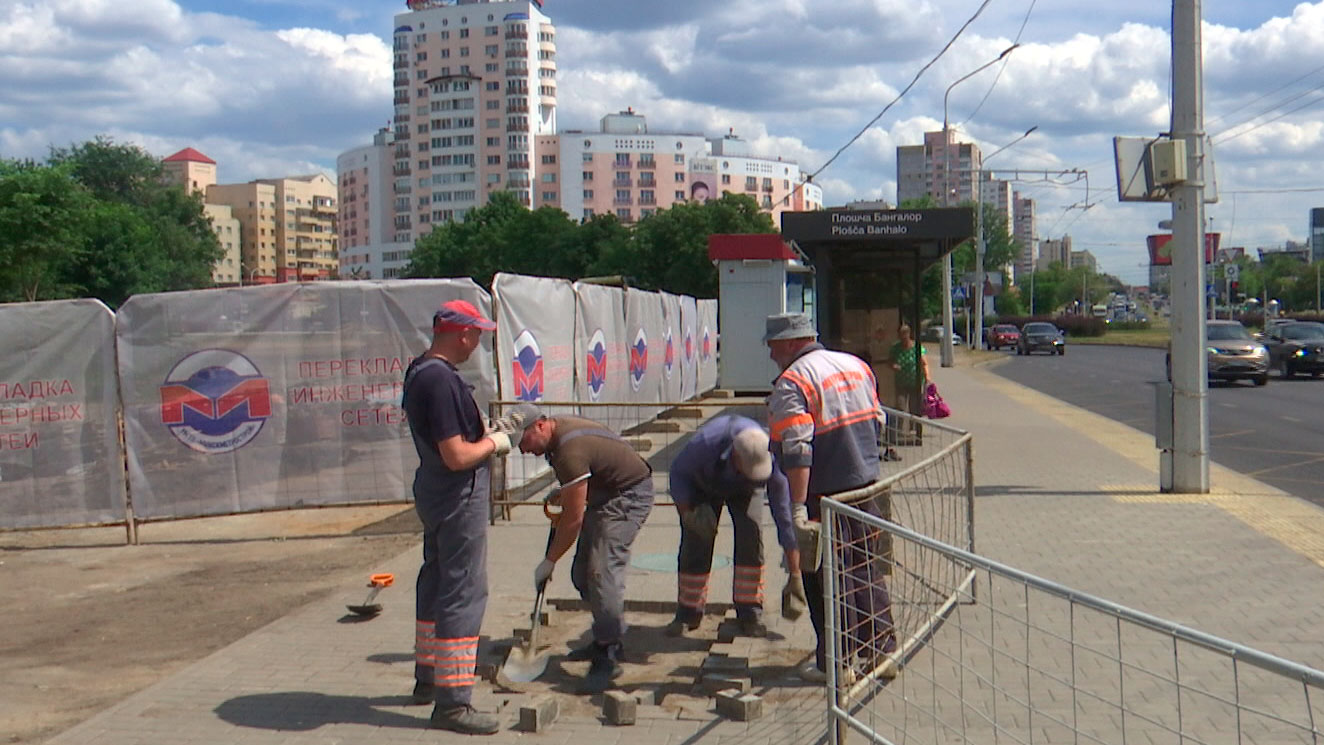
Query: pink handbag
(934, 406)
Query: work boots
(464, 719)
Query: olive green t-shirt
(610, 464)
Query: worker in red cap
(452, 498)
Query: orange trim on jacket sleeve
(806, 388)
(781, 425)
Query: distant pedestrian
(451, 496)
(826, 428)
(726, 463)
(911, 364)
(606, 494)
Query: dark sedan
(1296, 347)
(1038, 336)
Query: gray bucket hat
(789, 326)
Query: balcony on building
(647, 200)
(517, 183)
(622, 182)
(517, 52)
(622, 202)
(517, 33)
(517, 109)
(400, 170)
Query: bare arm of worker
(792, 560)
(799, 482)
(461, 455)
(573, 498)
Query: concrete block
(648, 696)
(727, 631)
(487, 670)
(714, 683)
(546, 617)
(539, 714)
(742, 707)
(725, 665)
(619, 708)
(522, 634)
(723, 649)
(658, 427)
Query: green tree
(43, 211)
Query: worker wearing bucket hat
(726, 463)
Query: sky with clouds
(276, 87)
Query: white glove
(542, 573)
(800, 516)
(806, 535)
(502, 442)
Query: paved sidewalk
(1061, 493)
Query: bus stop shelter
(869, 267)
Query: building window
(726, 178)
(549, 196)
(588, 214)
(494, 160)
(588, 157)
(679, 196)
(622, 160)
(548, 159)
(549, 178)
(680, 159)
(588, 194)
(623, 215)
(588, 175)
(679, 177)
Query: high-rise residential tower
(475, 85)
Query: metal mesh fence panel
(1030, 661)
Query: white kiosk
(758, 275)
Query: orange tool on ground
(376, 583)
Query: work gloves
(502, 442)
(794, 600)
(700, 520)
(542, 574)
(806, 535)
(502, 424)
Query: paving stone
(619, 708)
(725, 665)
(538, 715)
(713, 683)
(742, 707)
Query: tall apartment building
(1055, 251)
(289, 227)
(942, 168)
(195, 172)
(366, 221)
(1085, 259)
(1024, 231)
(475, 85)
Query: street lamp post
(977, 336)
(946, 346)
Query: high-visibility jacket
(823, 413)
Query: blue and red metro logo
(595, 365)
(526, 370)
(706, 345)
(689, 344)
(638, 359)
(215, 401)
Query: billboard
(1160, 250)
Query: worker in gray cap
(726, 463)
(826, 428)
(606, 493)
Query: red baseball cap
(461, 314)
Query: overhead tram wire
(994, 84)
(1289, 112)
(1263, 96)
(899, 96)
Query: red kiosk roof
(737, 246)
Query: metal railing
(1037, 662)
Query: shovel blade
(524, 665)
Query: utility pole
(1190, 407)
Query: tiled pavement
(1060, 492)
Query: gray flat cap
(789, 326)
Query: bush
(1128, 325)
(1081, 325)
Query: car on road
(1296, 347)
(934, 333)
(1040, 336)
(1003, 335)
(1233, 354)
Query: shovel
(377, 583)
(524, 664)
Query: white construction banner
(601, 358)
(535, 351)
(60, 457)
(707, 345)
(644, 331)
(278, 396)
(672, 356)
(689, 317)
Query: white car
(934, 333)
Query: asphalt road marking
(1238, 433)
(1293, 420)
(1271, 469)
